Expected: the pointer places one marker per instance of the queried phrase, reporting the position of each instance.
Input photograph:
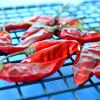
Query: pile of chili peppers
(46, 55)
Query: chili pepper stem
(10, 55)
(30, 50)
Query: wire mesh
(60, 85)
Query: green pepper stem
(30, 50)
(10, 55)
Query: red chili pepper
(30, 72)
(5, 38)
(40, 64)
(46, 20)
(88, 60)
(36, 46)
(91, 37)
(69, 35)
(76, 35)
(34, 18)
(20, 25)
(16, 25)
(46, 43)
(71, 47)
(40, 35)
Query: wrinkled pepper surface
(88, 63)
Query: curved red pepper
(40, 35)
(40, 64)
(69, 35)
(20, 25)
(84, 68)
(16, 26)
(91, 37)
(5, 38)
(76, 35)
(30, 72)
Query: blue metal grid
(59, 86)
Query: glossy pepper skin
(5, 38)
(40, 64)
(36, 46)
(87, 64)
